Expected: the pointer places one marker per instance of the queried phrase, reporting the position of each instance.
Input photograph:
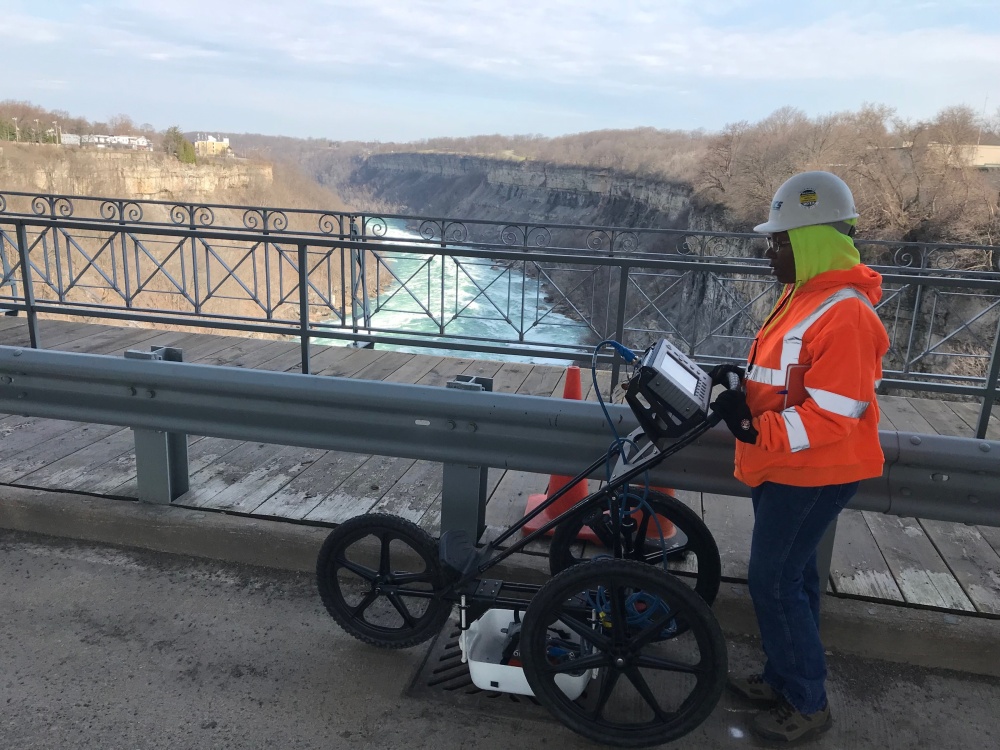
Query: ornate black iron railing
(511, 288)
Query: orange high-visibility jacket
(811, 383)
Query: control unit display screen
(682, 377)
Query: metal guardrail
(933, 477)
(318, 275)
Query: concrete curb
(948, 640)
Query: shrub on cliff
(177, 145)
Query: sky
(402, 70)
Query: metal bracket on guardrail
(161, 458)
(461, 481)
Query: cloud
(588, 59)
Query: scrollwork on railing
(611, 241)
(445, 231)
(129, 211)
(3, 204)
(517, 236)
(192, 215)
(52, 205)
(909, 256)
(265, 219)
(708, 246)
(331, 224)
(375, 226)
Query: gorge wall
(137, 175)
(508, 191)
(455, 186)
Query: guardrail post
(463, 482)
(161, 458)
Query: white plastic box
(482, 646)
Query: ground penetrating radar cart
(621, 647)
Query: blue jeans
(789, 523)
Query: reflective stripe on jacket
(811, 384)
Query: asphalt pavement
(108, 647)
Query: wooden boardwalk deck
(919, 562)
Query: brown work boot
(753, 688)
(783, 723)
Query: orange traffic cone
(571, 390)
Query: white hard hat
(810, 198)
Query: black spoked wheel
(648, 650)
(380, 579)
(691, 551)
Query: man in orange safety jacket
(807, 433)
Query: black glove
(732, 407)
(718, 373)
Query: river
(481, 301)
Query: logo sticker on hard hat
(776, 206)
(807, 198)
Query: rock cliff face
(466, 187)
(136, 175)
(506, 190)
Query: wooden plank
(411, 372)
(971, 559)
(98, 340)
(72, 470)
(412, 495)
(200, 349)
(510, 377)
(232, 468)
(508, 499)
(263, 480)
(920, 572)
(50, 332)
(431, 520)
(345, 362)
(266, 351)
(692, 500)
(10, 321)
(730, 519)
(603, 381)
(992, 535)
(308, 489)
(291, 360)
(969, 411)
(139, 339)
(858, 567)
(941, 417)
(16, 337)
(362, 490)
(445, 370)
(248, 353)
(541, 381)
(202, 452)
(483, 368)
(20, 433)
(117, 476)
(383, 367)
(19, 465)
(903, 416)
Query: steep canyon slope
(508, 191)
